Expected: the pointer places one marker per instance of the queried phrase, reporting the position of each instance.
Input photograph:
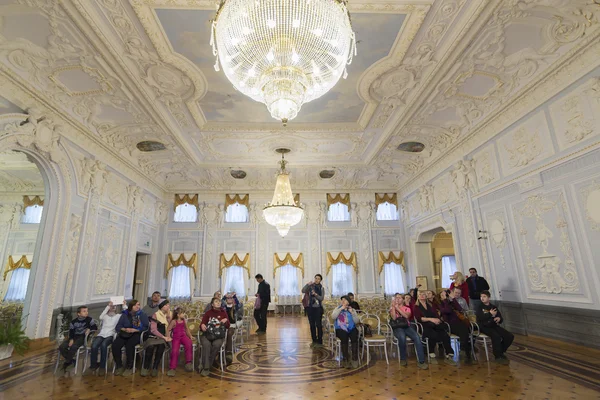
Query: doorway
(435, 258)
(140, 285)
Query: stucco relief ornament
(426, 198)
(404, 210)
(464, 176)
(133, 198)
(162, 212)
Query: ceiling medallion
(283, 212)
(237, 173)
(327, 174)
(411, 147)
(283, 53)
(150, 145)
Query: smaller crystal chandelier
(283, 212)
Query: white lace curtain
(17, 288)
(342, 279)
(448, 268)
(288, 283)
(338, 212)
(181, 278)
(387, 212)
(33, 214)
(186, 213)
(235, 279)
(393, 278)
(237, 213)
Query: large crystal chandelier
(283, 53)
(283, 212)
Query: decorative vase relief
(543, 219)
(497, 234)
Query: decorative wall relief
(485, 166)
(526, 144)
(71, 255)
(109, 251)
(543, 219)
(591, 202)
(426, 199)
(497, 235)
(576, 116)
(464, 176)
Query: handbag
(257, 303)
(215, 330)
(305, 300)
(399, 323)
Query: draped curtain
(448, 268)
(393, 278)
(180, 282)
(288, 273)
(234, 259)
(396, 257)
(387, 206)
(342, 279)
(181, 273)
(19, 278)
(234, 279)
(338, 207)
(186, 208)
(28, 201)
(341, 258)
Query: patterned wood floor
(281, 365)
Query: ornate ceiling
(19, 175)
(431, 71)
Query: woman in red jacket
(212, 325)
(459, 281)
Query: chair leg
(386, 356)
(487, 356)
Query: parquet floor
(281, 365)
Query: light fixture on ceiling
(283, 212)
(283, 53)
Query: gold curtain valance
(245, 200)
(288, 259)
(338, 198)
(21, 263)
(391, 198)
(36, 201)
(341, 258)
(234, 260)
(186, 199)
(176, 262)
(391, 257)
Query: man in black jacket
(477, 284)
(260, 314)
(489, 320)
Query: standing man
(260, 314)
(314, 310)
(477, 284)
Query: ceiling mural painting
(432, 72)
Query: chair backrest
(194, 325)
(373, 321)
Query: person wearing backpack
(214, 326)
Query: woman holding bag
(214, 327)
(400, 322)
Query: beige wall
(442, 245)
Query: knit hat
(163, 303)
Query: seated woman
(489, 319)
(459, 281)
(433, 329)
(432, 298)
(213, 334)
(158, 339)
(345, 329)
(132, 323)
(452, 313)
(401, 309)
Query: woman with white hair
(459, 281)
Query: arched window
(33, 214)
(186, 208)
(185, 213)
(343, 279)
(393, 278)
(288, 281)
(387, 212)
(448, 268)
(181, 284)
(17, 288)
(237, 213)
(338, 212)
(234, 281)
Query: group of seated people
(438, 316)
(162, 330)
